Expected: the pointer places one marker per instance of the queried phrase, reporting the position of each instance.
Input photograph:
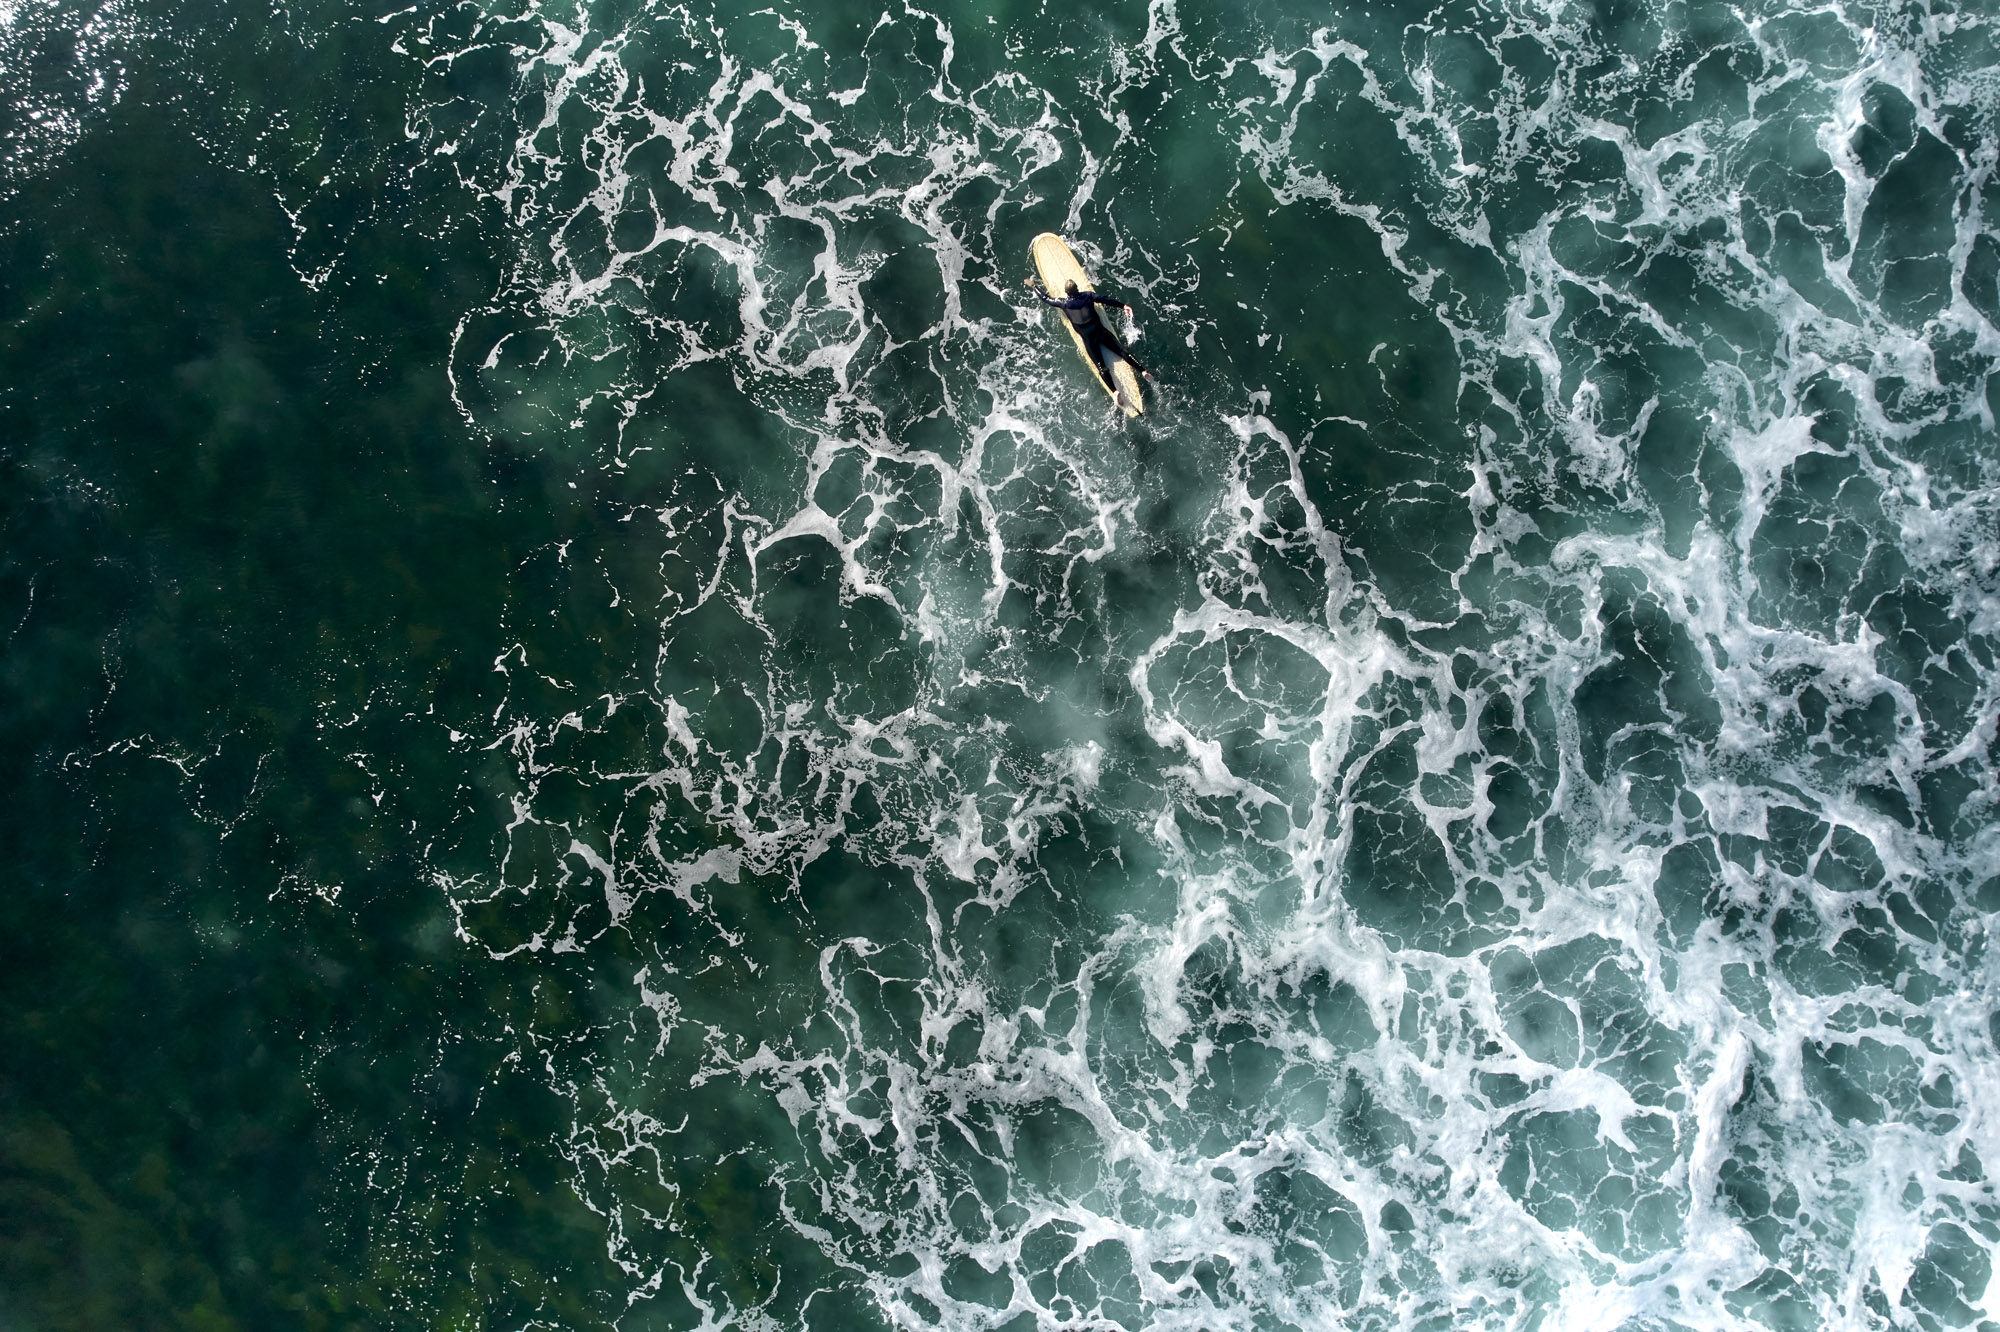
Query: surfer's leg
(1117, 344)
(1103, 358)
(1106, 362)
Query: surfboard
(1058, 266)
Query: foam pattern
(1479, 814)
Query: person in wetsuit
(1080, 308)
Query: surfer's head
(1069, 287)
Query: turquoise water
(608, 731)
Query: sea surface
(603, 729)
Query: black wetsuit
(1081, 311)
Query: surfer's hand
(1029, 284)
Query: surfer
(1080, 308)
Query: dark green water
(606, 731)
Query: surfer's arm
(1041, 295)
(1107, 300)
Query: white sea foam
(60, 67)
(1447, 990)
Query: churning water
(645, 750)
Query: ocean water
(606, 731)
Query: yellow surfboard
(1058, 267)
